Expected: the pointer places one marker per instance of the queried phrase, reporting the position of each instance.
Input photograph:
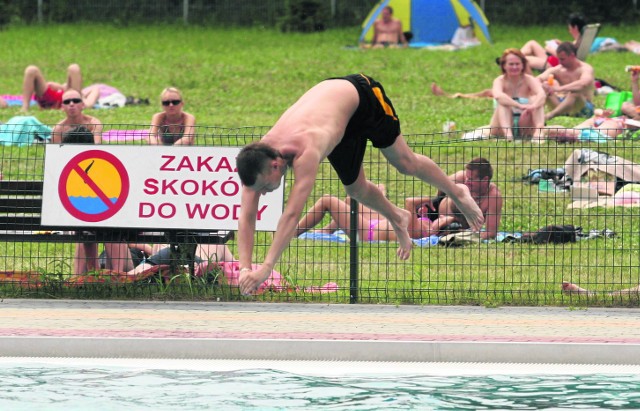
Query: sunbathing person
(73, 105)
(372, 226)
(540, 57)
(387, 31)
(570, 288)
(48, 94)
(104, 95)
(434, 216)
(438, 91)
(476, 176)
(216, 259)
(631, 109)
(598, 128)
(633, 46)
(205, 253)
(519, 99)
(172, 126)
(569, 86)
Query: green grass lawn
(248, 77)
(241, 77)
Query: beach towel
(340, 236)
(16, 100)
(116, 100)
(23, 131)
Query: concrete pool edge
(322, 350)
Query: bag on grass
(554, 233)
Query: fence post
(353, 253)
(40, 12)
(185, 11)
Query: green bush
(305, 16)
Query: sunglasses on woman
(168, 102)
(72, 100)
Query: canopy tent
(432, 22)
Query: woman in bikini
(519, 99)
(172, 126)
(371, 225)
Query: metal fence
(604, 259)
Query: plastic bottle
(550, 80)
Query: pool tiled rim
(320, 332)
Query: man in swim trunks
(333, 120)
(48, 94)
(570, 91)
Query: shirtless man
(387, 31)
(47, 93)
(477, 177)
(572, 90)
(333, 120)
(72, 105)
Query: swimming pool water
(81, 387)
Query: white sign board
(149, 187)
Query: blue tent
(431, 22)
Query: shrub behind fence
(302, 15)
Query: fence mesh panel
(604, 259)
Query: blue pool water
(67, 387)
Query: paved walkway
(75, 328)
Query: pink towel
(14, 97)
(125, 135)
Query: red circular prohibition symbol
(73, 166)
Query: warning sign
(93, 186)
(149, 187)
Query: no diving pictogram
(93, 186)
